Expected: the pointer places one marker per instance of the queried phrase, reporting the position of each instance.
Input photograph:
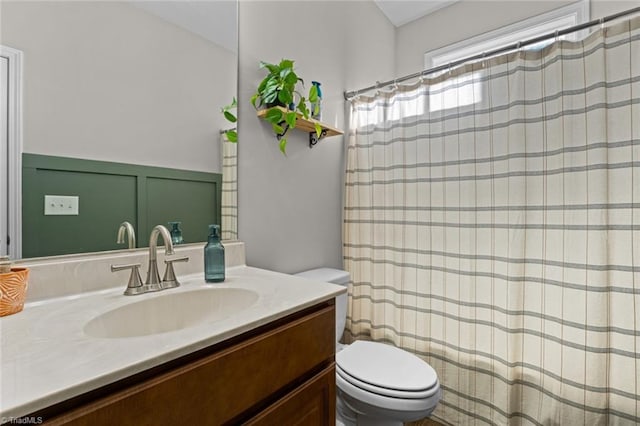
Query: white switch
(61, 205)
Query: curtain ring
(482, 63)
(449, 68)
(602, 23)
(518, 46)
(556, 37)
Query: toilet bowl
(377, 384)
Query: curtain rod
(514, 46)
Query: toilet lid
(387, 367)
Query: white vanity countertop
(46, 357)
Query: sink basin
(170, 312)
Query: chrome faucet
(127, 228)
(153, 277)
(152, 282)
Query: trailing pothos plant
(231, 134)
(279, 89)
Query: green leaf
(318, 129)
(273, 69)
(262, 84)
(233, 104)
(286, 63)
(229, 116)
(232, 136)
(302, 107)
(291, 78)
(269, 98)
(313, 93)
(290, 118)
(285, 96)
(283, 146)
(277, 129)
(271, 84)
(285, 72)
(227, 110)
(254, 98)
(270, 90)
(274, 116)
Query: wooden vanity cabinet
(282, 373)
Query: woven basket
(13, 289)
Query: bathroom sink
(170, 312)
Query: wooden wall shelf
(306, 125)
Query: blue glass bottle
(214, 256)
(176, 233)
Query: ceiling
(401, 12)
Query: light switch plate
(56, 205)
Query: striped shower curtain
(492, 226)
(229, 201)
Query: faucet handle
(169, 280)
(134, 286)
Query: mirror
(127, 82)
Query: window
(468, 94)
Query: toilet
(377, 384)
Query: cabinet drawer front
(220, 387)
(312, 404)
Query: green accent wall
(110, 193)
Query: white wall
(467, 19)
(108, 81)
(291, 207)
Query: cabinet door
(221, 387)
(311, 404)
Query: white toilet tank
(334, 276)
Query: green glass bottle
(214, 256)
